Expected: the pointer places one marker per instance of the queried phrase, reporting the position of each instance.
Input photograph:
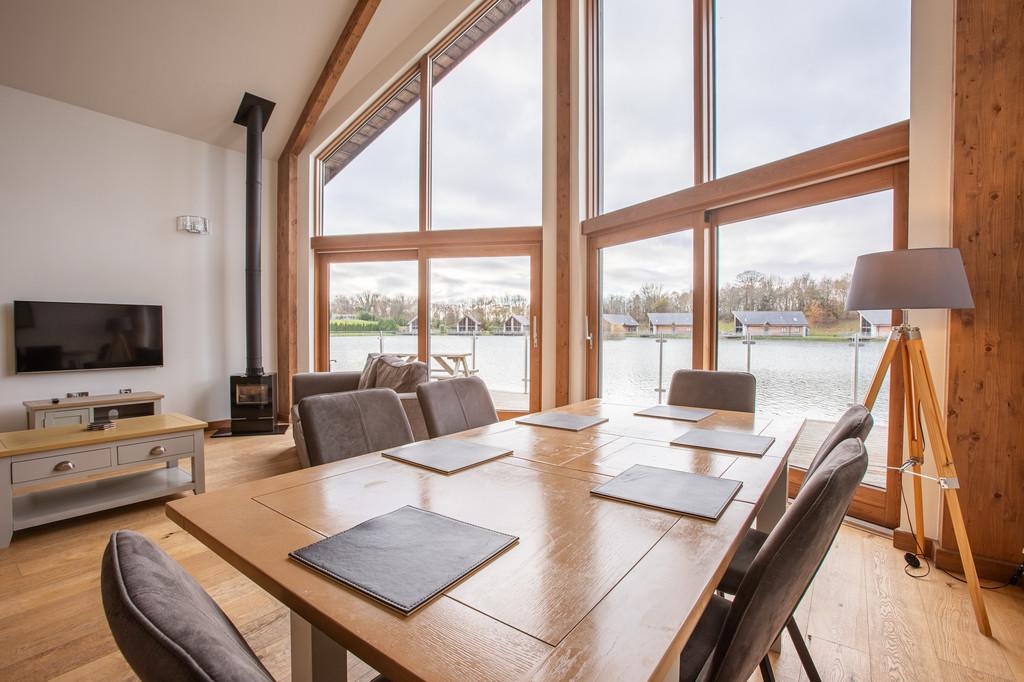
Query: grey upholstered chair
(342, 425)
(713, 390)
(306, 384)
(166, 626)
(454, 405)
(732, 638)
(856, 422)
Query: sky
(791, 75)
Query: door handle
(586, 330)
(535, 343)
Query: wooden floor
(865, 618)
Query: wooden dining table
(595, 589)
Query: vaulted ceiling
(183, 65)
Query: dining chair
(733, 638)
(341, 425)
(165, 624)
(713, 390)
(454, 405)
(856, 422)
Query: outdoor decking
(511, 400)
(813, 434)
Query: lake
(795, 377)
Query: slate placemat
(406, 557)
(446, 455)
(726, 441)
(562, 420)
(683, 414)
(671, 490)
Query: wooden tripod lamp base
(920, 279)
(921, 403)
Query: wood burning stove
(253, 403)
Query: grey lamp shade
(909, 279)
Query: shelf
(34, 509)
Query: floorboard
(864, 618)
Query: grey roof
(668, 319)
(521, 319)
(624, 320)
(469, 317)
(778, 318)
(877, 317)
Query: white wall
(930, 210)
(87, 209)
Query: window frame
(423, 243)
(873, 161)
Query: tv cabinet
(44, 414)
(95, 470)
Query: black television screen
(61, 337)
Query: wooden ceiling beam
(342, 53)
(287, 198)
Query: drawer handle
(66, 465)
(158, 451)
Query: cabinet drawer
(155, 449)
(59, 465)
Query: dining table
(594, 589)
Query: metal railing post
(661, 341)
(748, 343)
(856, 365)
(473, 349)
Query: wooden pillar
(288, 199)
(985, 387)
(563, 214)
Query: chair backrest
(786, 563)
(454, 405)
(342, 425)
(713, 390)
(856, 422)
(166, 626)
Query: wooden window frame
(422, 243)
(422, 248)
(873, 161)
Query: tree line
(822, 300)
(393, 312)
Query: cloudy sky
(791, 75)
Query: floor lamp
(918, 279)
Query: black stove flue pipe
(253, 113)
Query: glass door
(369, 304)
(483, 323)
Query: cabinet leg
(6, 504)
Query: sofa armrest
(315, 383)
(411, 405)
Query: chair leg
(802, 651)
(767, 674)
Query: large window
(373, 188)
(646, 93)
(791, 75)
(782, 284)
(486, 128)
(480, 324)
(454, 144)
(646, 318)
(372, 309)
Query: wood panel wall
(985, 388)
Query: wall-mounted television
(66, 337)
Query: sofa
(317, 383)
